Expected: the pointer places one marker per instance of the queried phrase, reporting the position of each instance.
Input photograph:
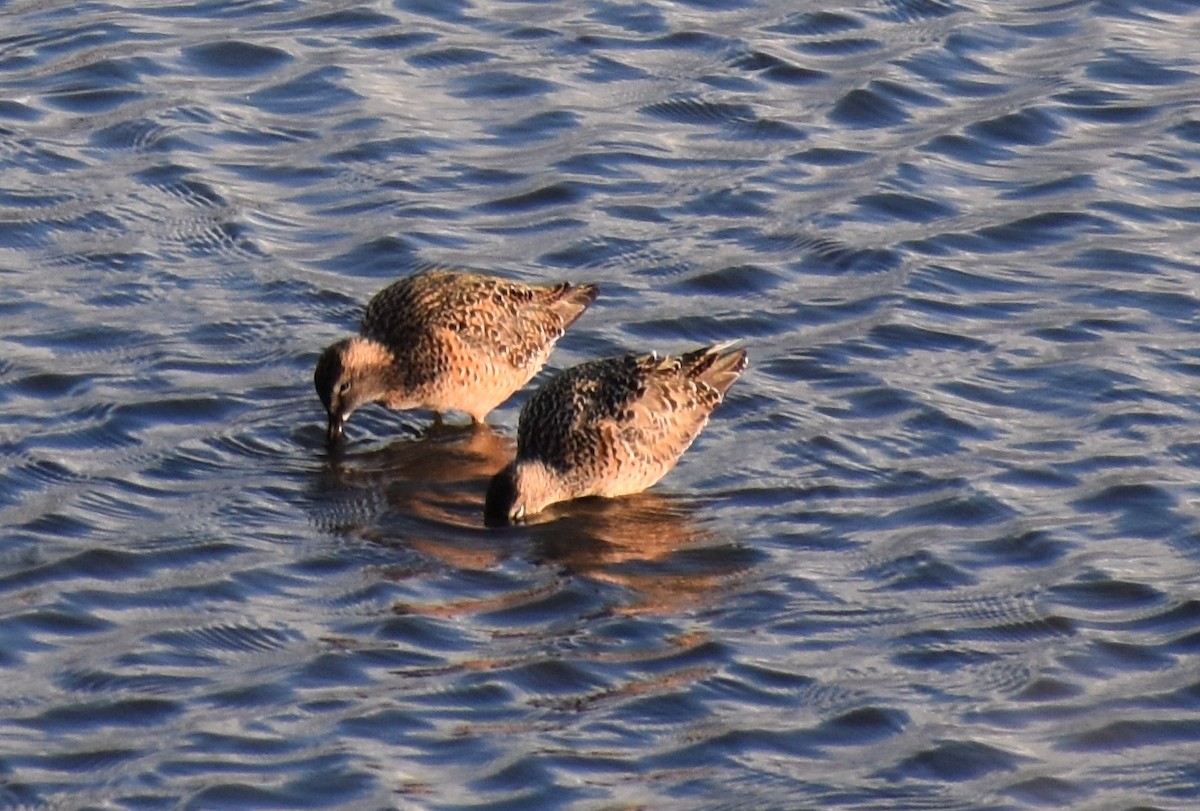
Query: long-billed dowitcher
(446, 340)
(610, 428)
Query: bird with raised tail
(610, 428)
(448, 341)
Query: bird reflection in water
(426, 491)
(649, 544)
(428, 495)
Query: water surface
(938, 550)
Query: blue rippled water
(938, 550)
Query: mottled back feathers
(425, 314)
(611, 427)
(447, 340)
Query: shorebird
(610, 428)
(446, 340)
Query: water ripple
(939, 542)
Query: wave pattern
(938, 550)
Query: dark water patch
(769, 130)
(251, 696)
(1028, 233)
(868, 108)
(325, 781)
(50, 385)
(107, 565)
(84, 716)
(1029, 127)
(450, 11)
(815, 24)
(235, 58)
(1126, 734)
(695, 111)
(1072, 184)
(230, 747)
(757, 684)
(602, 69)
(777, 70)
(320, 91)
(862, 726)
(37, 630)
(1048, 792)
(830, 156)
(818, 367)
(956, 73)
(539, 127)
(690, 40)
(386, 257)
(715, 750)
(1171, 307)
(550, 678)
(397, 40)
(552, 196)
(172, 597)
(978, 312)
(839, 46)
(500, 84)
(18, 111)
(1048, 690)
(696, 329)
(514, 778)
(1188, 131)
(940, 433)
(727, 203)
(100, 682)
(1117, 657)
(632, 17)
(439, 58)
(1112, 114)
(958, 509)
(224, 639)
(908, 208)
(733, 280)
(99, 86)
(908, 11)
(145, 416)
(1108, 595)
(827, 256)
(74, 763)
(375, 150)
(617, 161)
(1142, 498)
(178, 181)
(878, 401)
(1039, 477)
(596, 253)
(1120, 67)
(32, 199)
(569, 600)
(957, 761)
(967, 150)
(921, 570)
(344, 18)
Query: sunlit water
(938, 550)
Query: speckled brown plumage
(610, 427)
(446, 340)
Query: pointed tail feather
(573, 300)
(717, 365)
